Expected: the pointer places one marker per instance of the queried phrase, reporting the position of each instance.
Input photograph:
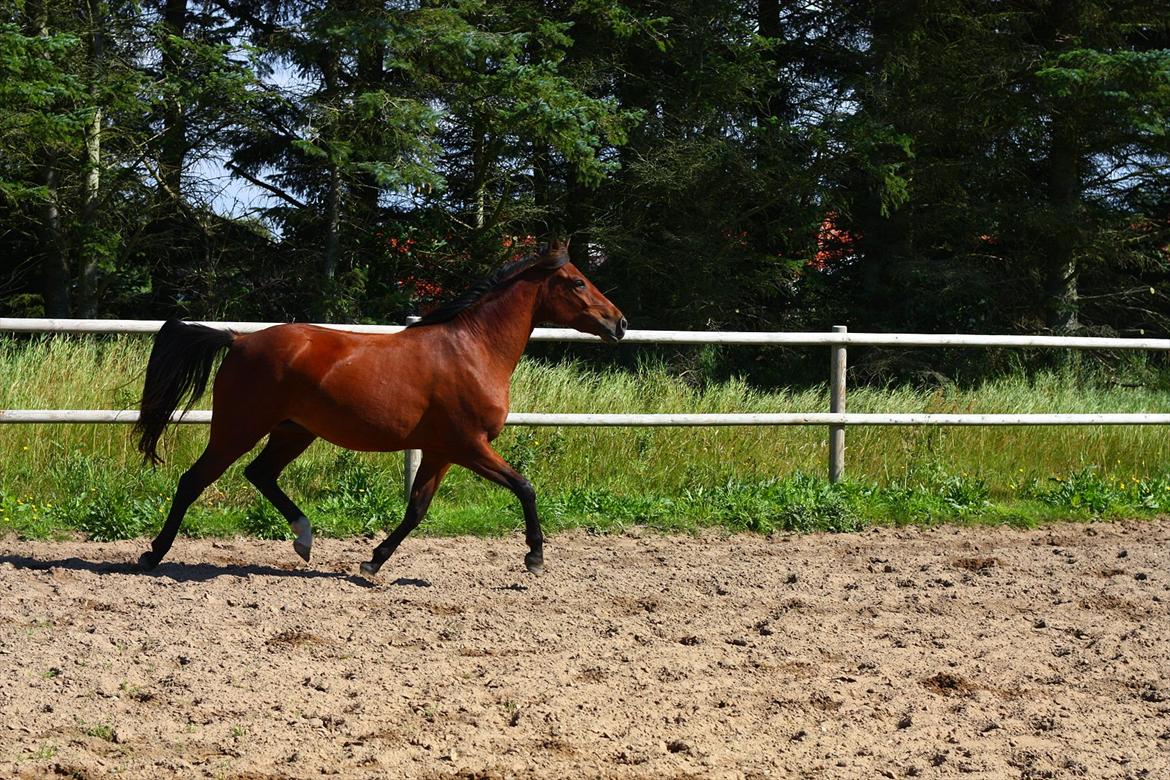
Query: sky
(229, 196)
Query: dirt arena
(951, 652)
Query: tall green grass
(60, 478)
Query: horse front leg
(430, 473)
(489, 465)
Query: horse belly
(382, 422)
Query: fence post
(837, 405)
(410, 458)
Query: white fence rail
(836, 418)
(100, 416)
(837, 337)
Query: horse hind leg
(211, 464)
(286, 442)
(234, 431)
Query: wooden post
(837, 405)
(411, 458)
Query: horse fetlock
(303, 544)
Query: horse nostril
(621, 327)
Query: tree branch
(266, 186)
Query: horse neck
(502, 323)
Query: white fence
(837, 419)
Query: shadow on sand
(198, 572)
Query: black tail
(180, 365)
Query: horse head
(570, 300)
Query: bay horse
(440, 386)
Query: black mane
(501, 277)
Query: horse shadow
(198, 572)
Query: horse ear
(557, 254)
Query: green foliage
(263, 521)
(1132, 80)
(41, 106)
(90, 479)
(1088, 491)
(800, 503)
(359, 499)
(953, 166)
(102, 731)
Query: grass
(43, 753)
(100, 730)
(62, 479)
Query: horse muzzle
(615, 330)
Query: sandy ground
(949, 652)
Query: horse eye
(579, 284)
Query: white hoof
(303, 544)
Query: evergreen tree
(935, 165)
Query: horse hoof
(148, 560)
(303, 543)
(369, 569)
(535, 565)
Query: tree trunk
(332, 222)
(173, 150)
(55, 265)
(768, 21)
(479, 172)
(886, 241)
(54, 262)
(540, 189)
(1063, 195)
(329, 72)
(1064, 190)
(577, 214)
(90, 251)
(371, 77)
